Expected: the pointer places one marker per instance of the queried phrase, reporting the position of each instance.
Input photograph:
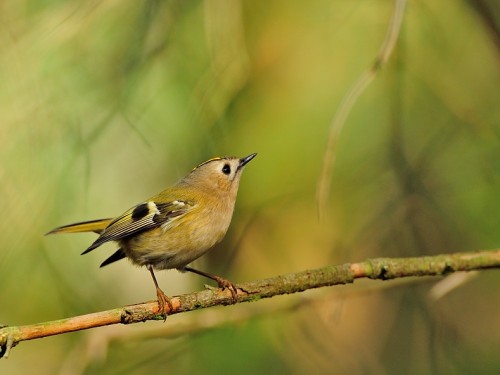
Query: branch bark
(379, 268)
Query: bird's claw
(226, 284)
(164, 304)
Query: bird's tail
(96, 226)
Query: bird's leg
(221, 282)
(164, 303)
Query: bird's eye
(226, 169)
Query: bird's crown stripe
(208, 161)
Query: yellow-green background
(104, 103)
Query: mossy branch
(380, 268)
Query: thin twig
(380, 268)
(348, 101)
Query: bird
(176, 226)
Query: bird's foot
(164, 304)
(226, 284)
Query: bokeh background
(104, 103)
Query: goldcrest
(175, 227)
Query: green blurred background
(104, 103)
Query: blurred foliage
(106, 103)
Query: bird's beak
(245, 160)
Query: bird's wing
(144, 216)
(117, 255)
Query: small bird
(175, 227)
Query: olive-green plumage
(176, 226)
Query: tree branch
(380, 268)
(350, 99)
